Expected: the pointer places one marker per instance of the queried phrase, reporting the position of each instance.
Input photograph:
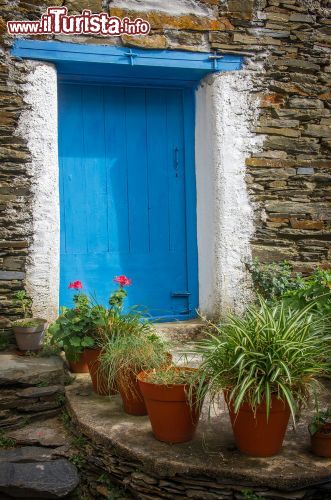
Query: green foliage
(78, 328)
(132, 347)
(22, 300)
(79, 441)
(317, 288)
(78, 460)
(250, 495)
(273, 280)
(6, 442)
(4, 340)
(321, 418)
(117, 298)
(66, 420)
(27, 323)
(270, 350)
(42, 384)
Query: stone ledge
(210, 463)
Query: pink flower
(76, 285)
(122, 280)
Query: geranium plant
(76, 328)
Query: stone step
(181, 331)
(31, 473)
(26, 371)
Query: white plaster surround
(38, 126)
(225, 112)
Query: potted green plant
(29, 332)
(131, 348)
(75, 328)
(103, 329)
(320, 433)
(267, 363)
(171, 402)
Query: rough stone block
(80, 5)
(146, 42)
(295, 102)
(50, 479)
(286, 132)
(312, 130)
(161, 21)
(305, 171)
(298, 145)
(306, 224)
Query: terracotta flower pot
(133, 401)
(254, 434)
(29, 338)
(78, 366)
(129, 389)
(321, 441)
(99, 380)
(172, 418)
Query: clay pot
(29, 338)
(321, 441)
(99, 380)
(133, 401)
(129, 389)
(78, 366)
(254, 434)
(172, 418)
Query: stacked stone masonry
(286, 47)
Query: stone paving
(210, 463)
(120, 448)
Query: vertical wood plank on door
(73, 170)
(137, 170)
(116, 164)
(176, 177)
(95, 169)
(156, 113)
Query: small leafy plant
(87, 323)
(24, 301)
(271, 350)
(320, 419)
(274, 279)
(316, 288)
(77, 328)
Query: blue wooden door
(127, 192)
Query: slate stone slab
(26, 454)
(48, 433)
(25, 371)
(39, 392)
(54, 479)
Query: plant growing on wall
(272, 280)
(315, 288)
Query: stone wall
(286, 48)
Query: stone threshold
(207, 467)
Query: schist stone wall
(274, 115)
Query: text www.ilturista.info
(56, 21)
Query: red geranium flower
(122, 280)
(76, 285)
